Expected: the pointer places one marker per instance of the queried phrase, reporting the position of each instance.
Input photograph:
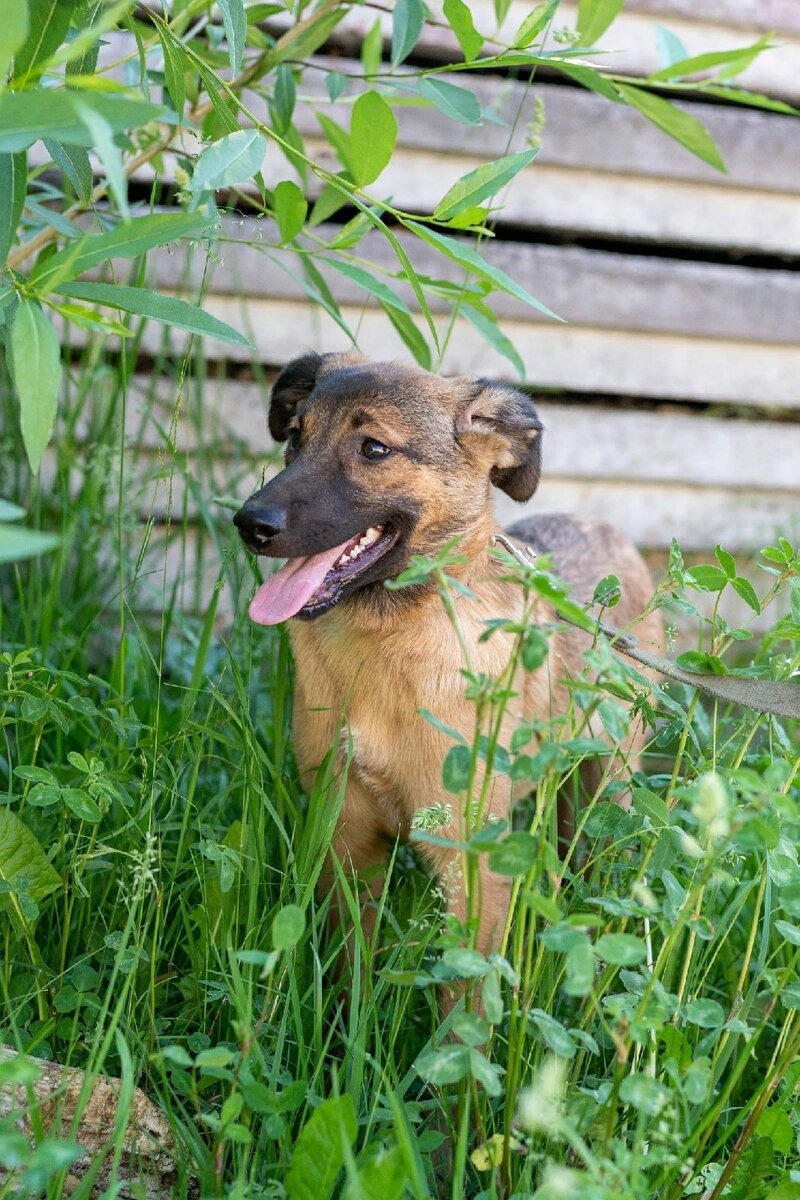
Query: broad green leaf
(109, 154)
(48, 24)
(669, 46)
(74, 162)
(290, 208)
(287, 927)
(368, 282)
(382, 1177)
(463, 253)
(515, 855)
(484, 181)
(27, 116)
(456, 768)
(534, 23)
(408, 17)
(459, 17)
(726, 561)
(340, 140)
(745, 589)
(234, 159)
(13, 32)
(335, 83)
(594, 18)
(446, 1064)
(580, 966)
(410, 335)
(587, 77)
(23, 863)
(16, 543)
(283, 98)
(486, 1073)
(13, 188)
(737, 59)
(81, 804)
(145, 303)
(373, 134)
(680, 125)
(319, 1151)
(234, 18)
(621, 949)
(708, 1014)
(82, 49)
(454, 102)
(11, 512)
(123, 241)
(36, 370)
(708, 577)
(644, 1093)
(484, 320)
(702, 663)
(372, 50)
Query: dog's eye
(373, 450)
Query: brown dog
(383, 462)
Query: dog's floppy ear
(503, 422)
(295, 382)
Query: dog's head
(383, 461)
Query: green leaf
(320, 1150)
(123, 241)
(340, 140)
(745, 589)
(290, 208)
(382, 1177)
(486, 1073)
(408, 17)
(234, 18)
(454, 102)
(11, 512)
(410, 335)
(456, 768)
(535, 648)
(108, 152)
(463, 253)
(621, 949)
(234, 159)
(446, 1064)
(707, 577)
(81, 804)
(372, 50)
(708, 1014)
(373, 135)
(287, 927)
(145, 303)
(483, 319)
(16, 544)
(13, 189)
(13, 32)
(74, 162)
(515, 855)
(726, 561)
(644, 1093)
(335, 82)
(484, 181)
(775, 1125)
(283, 99)
(459, 17)
(27, 116)
(594, 18)
(680, 125)
(48, 23)
(36, 370)
(579, 965)
(701, 663)
(534, 23)
(369, 283)
(174, 67)
(736, 59)
(23, 863)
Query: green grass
(641, 1030)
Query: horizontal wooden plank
(560, 357)
(585, 287)
(581, 441)
(753, 16)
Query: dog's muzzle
(258, 526)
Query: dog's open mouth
(310, 586)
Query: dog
(383, 462)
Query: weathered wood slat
(585, 287)
(571, 358)
(764, 16)
(582, 441)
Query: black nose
(258, 526)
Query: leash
(763, 695)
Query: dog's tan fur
(373, 661)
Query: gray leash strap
(763, 695)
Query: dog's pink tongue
(285, 592)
